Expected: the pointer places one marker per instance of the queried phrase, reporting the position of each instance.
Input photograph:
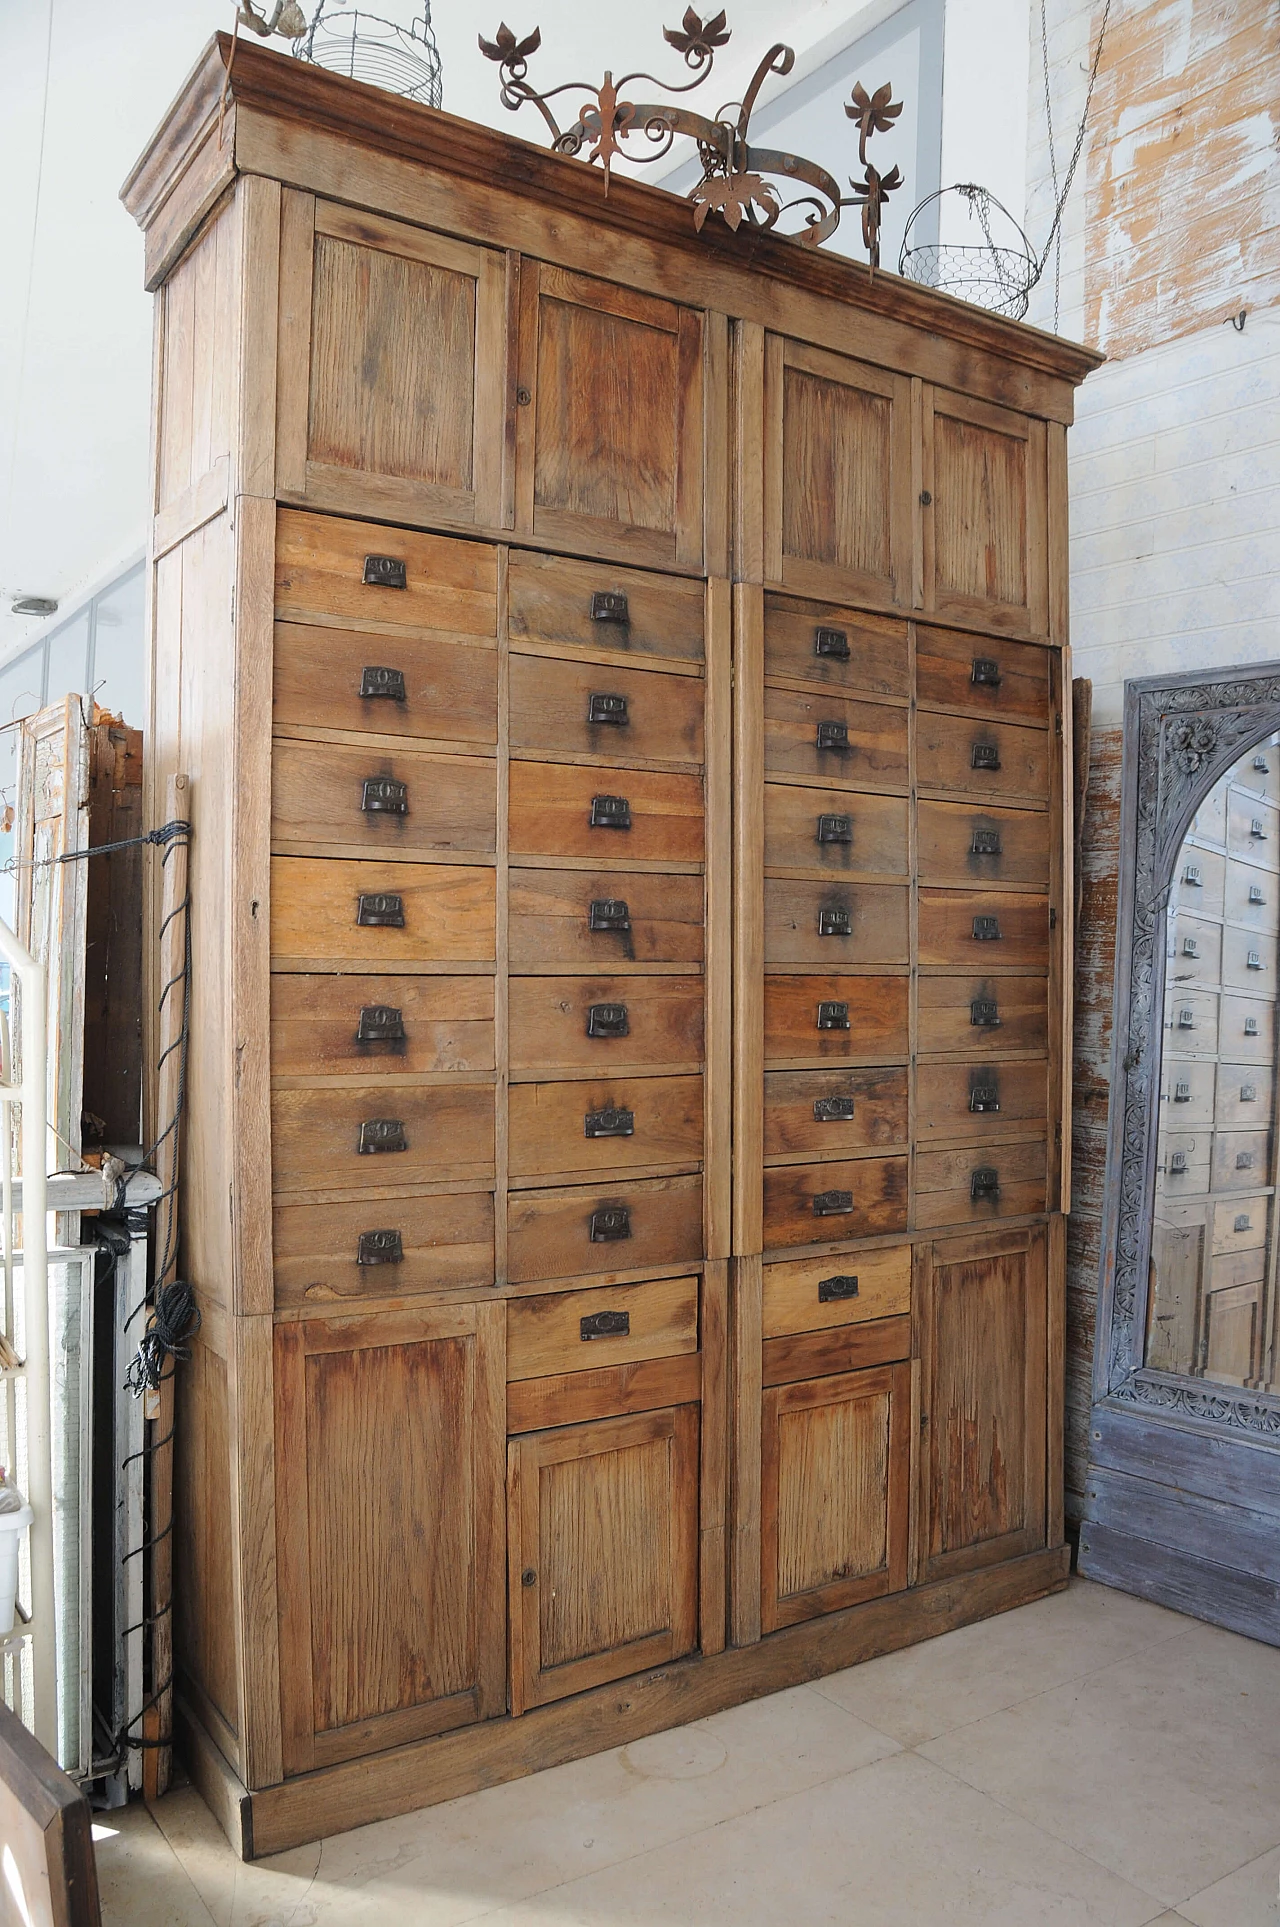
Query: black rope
(175, 1317)
(167, 833)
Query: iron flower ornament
(739, 182)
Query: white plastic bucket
(12, 1526)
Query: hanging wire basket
(998, 275)
(402, 60)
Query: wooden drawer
(572, 1231)
(1183, 1164)
(1200, 881)
(1191, 1021)
(1196, 953)
(980, 1098)
(1253, 831)
(426, 686)
(976, 931)
(975, 1013)
(604, 711)
(374, 1135)
(960, 844)
(327, 1026)
(985, 760)
(596, 607)
(841, 1019)
(610, 1124)
(833, 924)
(1248, 962)
(407, 1245)
(1241, 1160)
(603, 919)
(1246, 1094)
(806, 1294)
(833, 738)
(982, 674)
(1262, 773)
(951, 1187)
(1251, 900)
(840, 648)
(834, 1111)
(382, 802)
(1235, 1268)
(578, 1331)
(810, 1204)
(1187, 1090)
(835, 831)
(329, 567)
(1247, 1030)
(426, 913)
(612, 816)
(1240, 1224)
(605, 1024)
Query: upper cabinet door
(985, 515)
(392, 385)
(837, 465)
(609, 420)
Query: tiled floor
(1090, 1761)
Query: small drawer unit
(982, 847)
(605, 1025)
(381, 1248)
(811, 1294)
(841, 649)
(982, 759)
(366, 916)
(610, 919)
(827, 1020)
(831, 1113)
(567, 1129)
(575, 1231)
(972, 1186)
(558, 606)
(368, 1136)
(834, 832)
(823, 737)
(982, 675)
(987, 1098)
(810, 1204)
(958, 1015)
(381, 802)
(605, 712)
(349, 1026)
(579, 1331)
(831, 924)
(984, 930)
(640, 816)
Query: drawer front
(834, 1112)
(976, 757)
(959, 844)
(598, 607)
(978, 931)
(377, 1135)
(1191, 1020)
(610, 815)
(1184, 1167)
(324, 910)
(579, 1331)
(1251, 900)
(571, 1232)
(980, 1098)
(1249, 962)
(327, 1026)
(811, 1294)
(832, 924)
(1241, 1160)
(1246, 1095)
(839, 648)
(835, 738)
(1187, 1090)
(609, 1124)
(835, 831)
(810, 1204)
(1253, 832)
(976, 1013)
(1247, 1030)
(835, 1019)
(431, 686)
(603, 1024)
(330, 567)
(604, 710)
(603, 919)
(1263, 775)
(1196, 956)
(1244, 1267)
(385, 803)
(1240, 1224)
(384, 1248)
(982, 674)
(973, 1186)
(1201, 880)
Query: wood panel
(808, 1204)
(804, 1021)
(576, 1331)
(350, 1026)
(551, 1234)
(794, 1299)
(447, 911)
(383, 1246)
(985, 527)
(551, 926)
(575, 1130)
(385, 803)
(638, 1023)
(449, 690)
(321, 576)
(658, 717)
(605, 815)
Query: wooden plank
(1185, 1581)
(748, 886)
(206, 497)
(608, 1391)
(51, 1878)
(1055, 1378)
(839, 1348)
(719, 966)
(253, 1533)
(749, 470)
(293, 384)
(112, 1080)
(717, 456)
(260, 304)
(714, 1482)
(745, 1386)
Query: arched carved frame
(1181, 734)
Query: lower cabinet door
(389, 1502)
(835, 1492)
(603, 1551)
(984, 1306)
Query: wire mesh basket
(402, 60)
(998, 275)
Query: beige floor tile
(897, 1844)
(140, 1880)
(929, 1689)
(1164, 1766)
(1249, 1897)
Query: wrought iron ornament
(739, 182)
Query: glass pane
(21, 687)
(1212, 1310)
(69, 659)
(118, 649)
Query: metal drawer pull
(833, 1016)
(832, 1204)
(376, 681)
(1186, 1018)
(384, 796)
(1192, 876)
(833, 643)
(984, 1013)
(986, 930)
(612, 1122)
(1255, 961)
(1182, 1091)
(1177, 1163)
(1190, 948)
(380, 1024)
(832, 1110)
(984, 1183)
(835, 829)
(985, 756)
(608, 1020)
(835, 923)
(1255, 893)
(1251, 1027)
(985, 843)
(1244, 1160)
(381, 1134)
(1256, 829)
(833, 736)
(608, 709)
(384, 572)
(610, 813)
(609, 1223)
(984, 1093)
(986, 670)
(383, 910)
(605, 1324)
(608, 913)
(843, 1285)
(379, 1248)
(1243, 1222)
(609, 605)
(1262, 766)
(1248, 1093)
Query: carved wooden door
(985, 514)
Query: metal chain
(1060, 195)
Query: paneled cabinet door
(984, 1399)
(603, 1551)
(985, 515)
(389, 1433)
(609, 419)
(392, 386)
(835, 1491)
(837, 463)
